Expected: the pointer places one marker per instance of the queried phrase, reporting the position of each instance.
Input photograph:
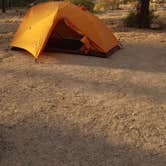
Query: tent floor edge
(113, 50)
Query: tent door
(64, 39)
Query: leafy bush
(132, 21)
(87, 3)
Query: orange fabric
(86, 42)
(40, 21)
(65, 31)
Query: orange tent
(63, 26)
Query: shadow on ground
(123, 85)
(41, 143)
(135, 56)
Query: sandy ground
(72, 110)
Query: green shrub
(87, 3)
(132, 21)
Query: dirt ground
(73, 110)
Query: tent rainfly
(62, 26)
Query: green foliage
(87, 3)
(132, 21)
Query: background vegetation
(141, 16)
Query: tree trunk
(10, 4)
(3, 6)
(142, 13)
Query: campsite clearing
(78, 110)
